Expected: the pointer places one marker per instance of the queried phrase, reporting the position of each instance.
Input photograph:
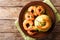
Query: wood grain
(9, 12)
(58, 8)
(8, 26)
(17, 36)
(10, 36)
(12, 12)
(56, 2)
(52, 36)
(23, 2)
(57, 27)
(14, 2)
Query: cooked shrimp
(47, 21)
(31, 33)
(27, 24)
(39, 10)
(29, 16)
(32, 9)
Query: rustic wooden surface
(9, 12)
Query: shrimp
(31, 33)
(27, 24)
(47, 21)
(29, 16)
(32, 9)
(39, 10)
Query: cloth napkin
(56, 14)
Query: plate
(50, 13)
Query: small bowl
(50, 13)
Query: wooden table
(9, 12)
